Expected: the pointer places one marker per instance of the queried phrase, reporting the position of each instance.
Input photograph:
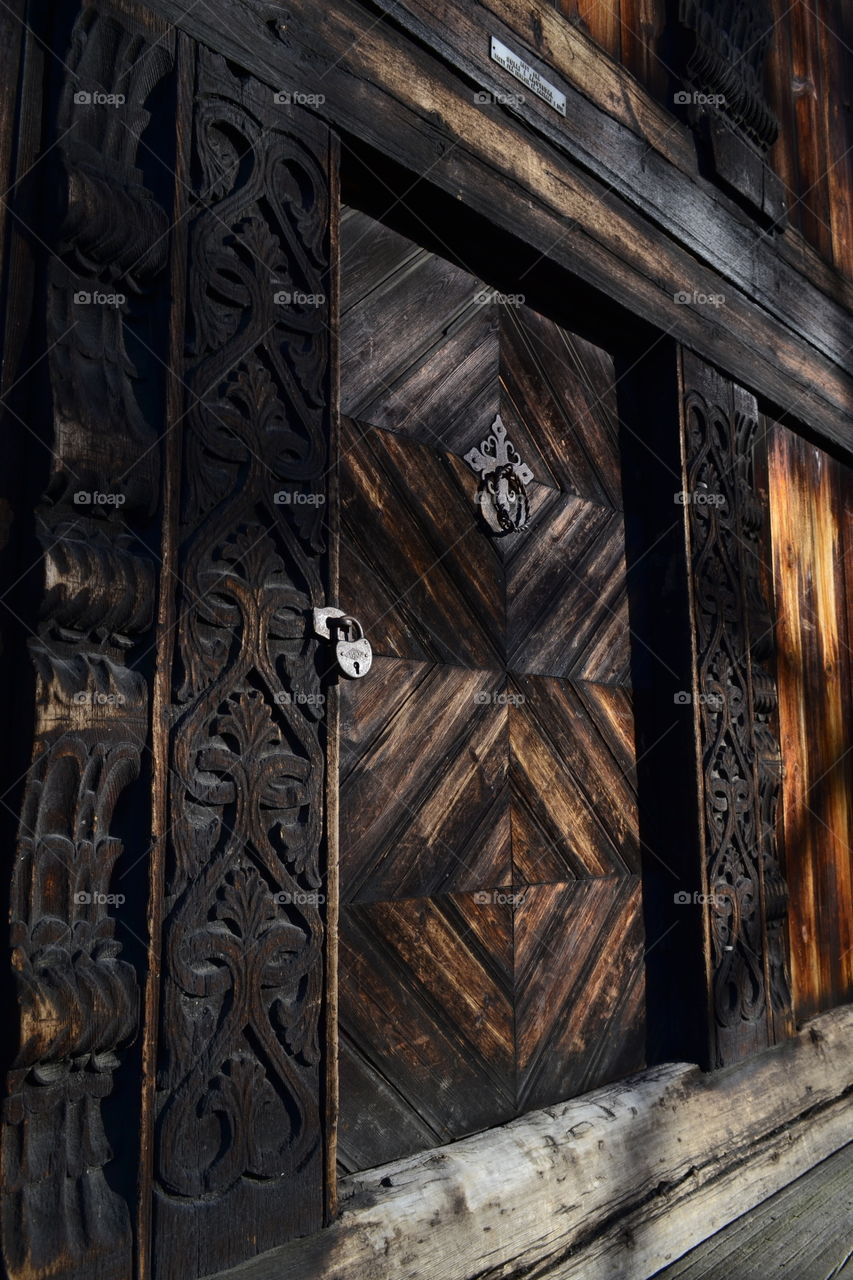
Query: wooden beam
(382, 86)
(618, 1182)
(619, 134)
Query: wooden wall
(809, 86)
(811, 500)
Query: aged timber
(239, 1149)
(510, 174)
(78, 997)
(613, 1184)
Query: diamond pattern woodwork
(491, 923)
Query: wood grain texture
(559, 405)
(602, 19)
(424, 793)
(411, 534)
(802, 1231)
(435, 371)
(810, 497)
(566, 597)
(457, 773)
(574, 803)
(426, 1024)
(808, 90)
(835, 55)
(643, 25)
(578, 987)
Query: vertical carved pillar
(735, 700)
(77, 998)
(768, 752)
(238, 1138)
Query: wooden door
(491, 940)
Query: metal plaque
(528, 75)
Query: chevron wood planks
(491, 917)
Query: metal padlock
(352, 651)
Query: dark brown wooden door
(491, 941)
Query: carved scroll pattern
(741, 761)
(729, 40)
(77, 998)
(765, 701)
(238, 1080)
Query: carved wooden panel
(491, 917)
(69, 1161)
(735, 708)
(238, 1133)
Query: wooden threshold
(620, 1181)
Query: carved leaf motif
(238, 1085)
(739, 751)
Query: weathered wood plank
(803, 1231)
(616, 1183)
(410, 534)
(427, 1018)
(813, 160)
(810, 495)
(836, 64)
(419, 113)
(601, 19)
(424, 797)
(642, 24)
(579, 986)
(572, 777)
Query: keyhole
(357, 666)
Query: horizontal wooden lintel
(617, 1182)
(609, 197)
